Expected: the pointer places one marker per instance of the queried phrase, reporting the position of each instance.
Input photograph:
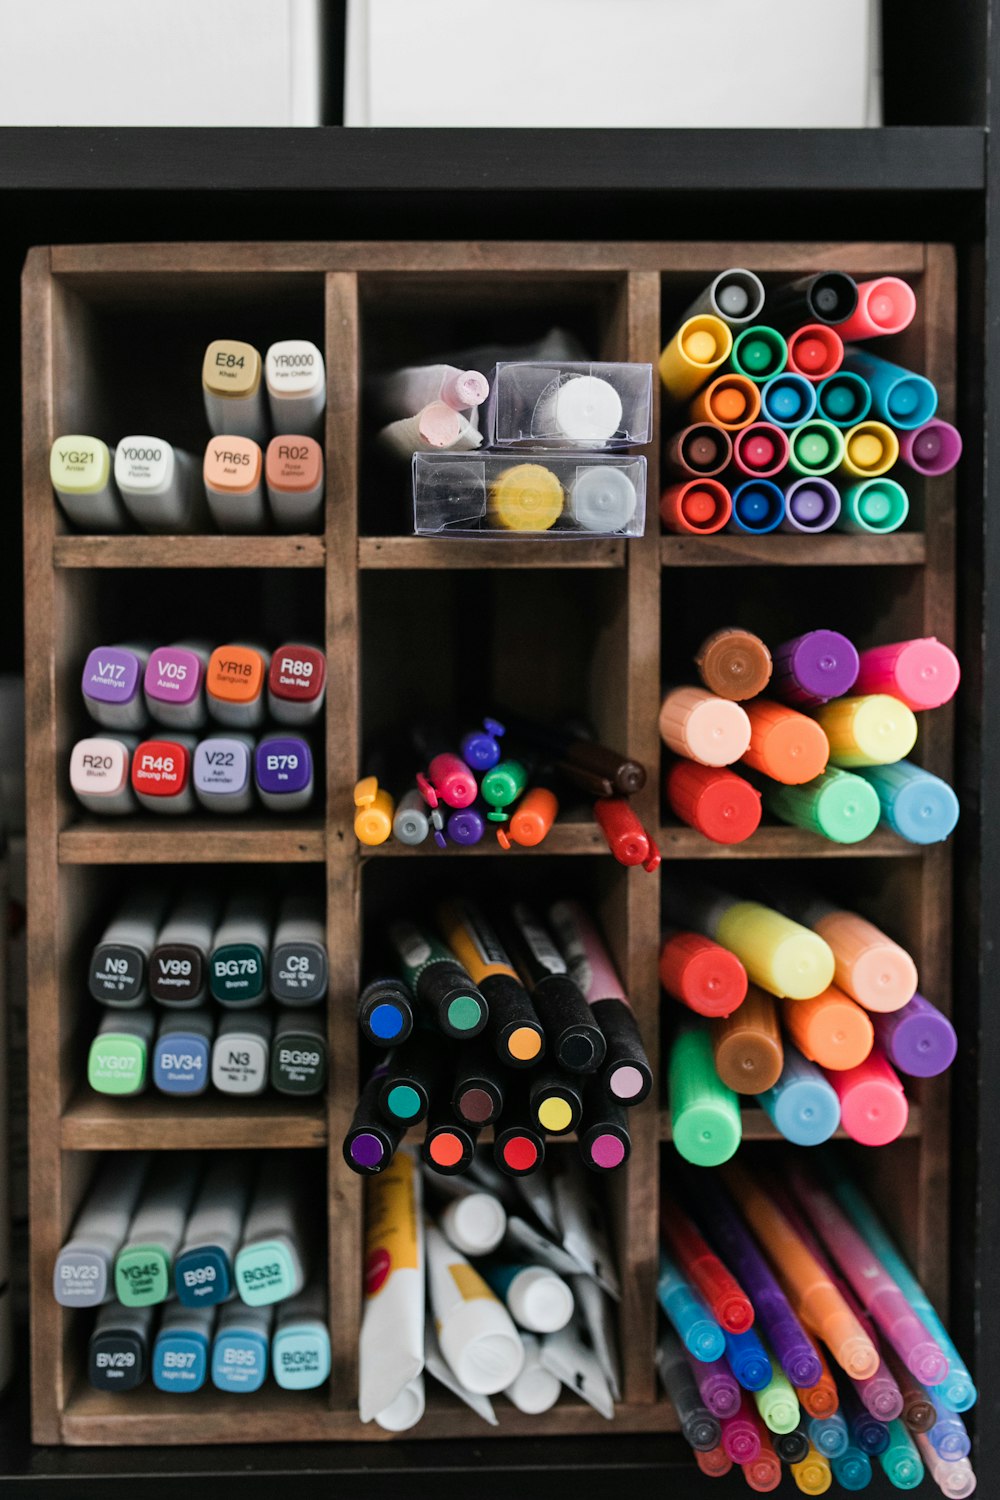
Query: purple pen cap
(283, 766)
(815, 667)
(174, 675)
(917, 1039)
(811, 504)
(932, 449)
(479, 748)
(466, 825)
(111, 675)
(221, 766)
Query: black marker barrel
(119, 965)
(478, 1087)
(385, 1012)
(829, 297)
(299, 1052)
(555, 1101)
(299, 971)
(413, 1077)
(573, 1037)
(178, 968)
(118, 1349)
(449, 1144)
(438, 980)
(518, 1147)
(514, 1030)
(370, 1143)
(604, 1139)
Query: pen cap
(836, 805)
(296, 386)
(758, 507)
(203, 1266)
(626, 1075)
(844, 398)
(899, 396)
(699, 1425)
(814, 667)
(572, 407)
(159, 485)
(221, 773)
(699, 1331)
(830, 1029)
(144, 1264)
(117, 974)
(869, 450)
(118, 1059)
(704, 976)
(734, 663)
(885, 305)
(700, 451)
(877, 506)
(235, 682)
(816, 447)
(240, 949)
(299, 1052)
(82, 472)
(241, 1052)
(870, 966)
(299, 968)
(118, 1348)
(781, 956)
(241, 1347)
(161, 773)
(374, 809)
(792, 1446)
(828, 297)
(785, 744)
(918, 806)
(296, 683)
(921, 673)
(760, 450)
(474, 1224)
(99, 774)
(918, 1039)
(815, 351)
(777, 1404)
(710, 730)
(705, 1113)
(812, 504)
(812, 1474)
(283, 771)
(730, 401)
(532, 819)
(627, 838)
(715, 1463)
(802, 1104)
(700, 345)
(233, 472)
(410, 823)
(585, 952)
(829, 1435)
(525, 497)
(759, 353)
(933, 449)
(112, 686)
(83, 1272)
(182, 1055)
(736, 296)
(232, 388)
(873, 1105)
(181, 1348)
(720, 804)
(788, 400)
(293, 467)
(385, 1012)
(747, 1045)
(698, 507)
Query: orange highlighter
(812, 1294)
(784, 744)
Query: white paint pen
(391, 1348)
(112, 686)
(83, 1273)
(233, 390)
(82, 473)
(99, 770)
(160, 486)
(296, 387)
(241, 1053)
(475, 1331)
(271, 1263)
(536, 1389)
(178, 967)
(119, 965)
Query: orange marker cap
(294, 463)
(730, 402)
(784, 744)
(236, 674)
(532, 819)
(831, 1029)
(232, 464)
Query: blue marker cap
(180, 1353)
(479, 748)
(385, 1012)
(203, 1277)
(182, 1055)
(748, 1360)
(852, 1470)
(867, 1432)
(788, 400)
(899, 396)
(240, 1350)
(949, 1438)
(466, 825)
(918, 806)
(803, 1105)
(698, 1330)
(758, 507)
(829, 1434)
(300, 1348)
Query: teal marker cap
(874, 505)
(203, 1277)
(901, 1463)
(403, 1102)
(759, 353)
(837, 805)
(117, 1063)
(300, 1355)
(267, 1271)
(180, 1361)
(844, 398)
(815, 448)
(142, 1276)
(705, 1113)
(238, 974)
(239, 1361)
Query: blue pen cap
(844, 398)
(758, 507)
(803, 1105)
(386, 1022)
(181, 1062)
(829, 1435)
(239, 1359)
(466, 825)
(748, 1360)
(788, 400)
(949, 1438)
(300, 1355)
(700, 1333)
(918, 806)
(480, 749)
(868, 1433)
(180, 1361)
(899, 396)
(958, 1391)
(852, 1470)
(203, 1277)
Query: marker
(701, 451)
(222, 773)
(705, 977)
(791, 1447)
(718, 1387)
(99, 774)
(118, 1058)
(605, 1143)
(296, 387)
(161, 774)
(703, 727)
(532, 819)
(914, 804)
(699, 507)
(788, 400)
(901, 1462)
(697, 1329)
(758, 507)
(448, 779)
(515, 1031)
(502, 786)
(241, 1053)
(555, 1101)
(299, 1053)
(736, 296)
(760, 451)
(241, 1347)
(921, 673)
(438, 981)
(626, 837)
(836, 805)
(391, 1347)
(180, 1351)
(702, 1268)
(525, 497)
(747, 1045)
(733, 663)
(949, 1437)
(829, 1435)
(144, 1263)
(826, 297)
(877, 506)
(698, 348)
(877, 972)
(474, 1223)
(233, 473)
(435, 428)
(812, 1475)
(118, 1348)
(748, 1360)
(466, 826)
(299, 969)
(283, 772)
(815, 351)
(918, 1039)
(729, 401)
(699, 1425)
(518, 1148)
(179, 966)
(802, 1104)
(813, 668)
(370, 1143)
(159, 486)
(933, 449)
(385, 1011)
(536, 1298)
(82, 472)
(408, 389)
(844, 398)
(119, 964)
(740, 1436)
(604, 497)
(203, 1265)
(899, 396)
(954, 1479)
(715, 1464)
(374, 815)
(852, 1470)
(235, 680)
(478, 1087)
(885, 305)
(811, 505)
(232, 390)
(597, 769)
(705, 1114)
(764, 1472)
(112, 686)
(240, 950)
(536, 1389)
(759, 353)
(869, 450)
(293, 468)
(873, 1106)
(777, 1405)
(412, 1079)
(410, 824)
(817, 448)
(182, 1055)
(83, 1272)
(300, 1346)
(296, 684)
(918, 1411)
(270, 1264)
(831, 1030)
(478, 1339)
(784, 744)
(173, 685)
(573, 1037)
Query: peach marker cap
(713, 731)
(868, 965)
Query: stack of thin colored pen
(796, 1335)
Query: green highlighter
(118, 1060)
(838, 805)
(705, 1114)
(815, 448)
(144, 1264)
(777, 1403)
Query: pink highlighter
(873, 1104)
(921, 673)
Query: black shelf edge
(339, 159)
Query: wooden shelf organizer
(411, 624)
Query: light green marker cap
(837, 805)
(142, 1275)
(874, 505)
(80, 464)
(117, 1063)
(815, 448)
(778, 1404)
(704, 1112)
(267, 1271)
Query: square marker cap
(118, 1059)
(161, 774)
(178, 968)
(293, 467)
(182, 1055)
(299, 970)
(300, 1347)
(160, 486)
(118, 966)
(233, 473)
(144, 1264)
(99, 774)
(296, 386)
(241, 1348)
(283, 771)
(271, 1261)
(181, 1350)
(81, 470)
(173, 684)
(222, 773)
(203, 1266)
(296, 684)
(118, 1348)
(241, 1053)
(233, 390)
(299, 1052)
(241, 948)
(112, 686)
(84, 1270)
(235, 683)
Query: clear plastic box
(541, 494)
(554, 404)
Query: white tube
(435, 1364)
(435, 429)
(82, 1276)
(582, 1224)
(474, 1224)
(391, 1349)
(406, 1410)
(524, 1242)
(160, 486)
(475, 1331)
(598, 1316)
(535, 1296)
(536, 1389)
(567, 1355)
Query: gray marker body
(275, 1231)
(191, 712)
(296, 387)
(160, 486)
(157, 1228)
(241, 1052)
(83, 1271)
(119, 964)
(178, 966)
(215, 1227)
(299, 970)
(244, 934)
(410, 823)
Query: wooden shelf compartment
(898, 549)
(435, 552)
(777, 841)
(189, 552)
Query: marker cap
(869, 450)
(119, 1054)
(605, 1143)
(578, 409)
(203, 1276)
(811, 504)
(715, 1463)
(296, 684)
(161, 775)
(876, 505)
(181, 1349)
(734, 663)
(518, 1148)
(221, 774)
(241, 1053)
(758, 507)
(231, 368)
(705, 1114)
(299, 1053)
(700, 507)
(80, 468)
(374, 810)
(933, 449)
(873, 1105)
(700, 345)
(710, 730)
(899, 396)
(785, 744)
(603, 498)
(720, 804)
(802, 1104)
(411, 824)
(117, 972)
(747, 1045)
(779, 954)
(838, 806)
(241, 1347)
(885, 305)
(232, 470)
(870, 729)
(704, 976)
(815, 351)
(918, 806)
(730, 401)
(182, 1055)
(159, 486)
(532, 819)
(283, 770)
(173, 685)
(118, 1348)
(815, 667)
(234, 684)
(759, 353)
(296, 386)
(831, 1029)
(536, 1389)
(702, 450)
(626, 1076)
(870, 966)
(918, 1039)
(828, 297)
(385, 1012)
(844, 398)
(817, 447)
(112, 686)
(99, 774)
(513, 1027)
(370, 1144)
(921, 673)
(788, 400)
(300, 1352)
(736, 296)
(760, 450)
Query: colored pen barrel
(111, 684)
(831, 1030)
(949, 1437)
(838, 806)
(785, 744)
(811, 505)
(916, 1407)
(374, 813)
(869, 966)
(718, 1387)
(714, 800)
(699, 1332)
(877, 506)
(759, 353)
(705, 1114)
(933, 449)
(81, 469)
(119, 1055)
(700, 345)
(203, 1265)
(438, 981)
(181, 1348)
(885, 305)
(815, 351)
(118, 1348)
(763, 1473)
(869, 450)
(829, 1435)
(734, 663)
(740, 1436)
(700, 451)
(514, 1029)
(735, 295)
(118, 972)
(83, 1275)
(820, 1399)
(707, 978)
(699, 1425)
(412, 1079)
(626, 837)
(812, 1474)
(144, 1263)
(605, 1142)
(714, 1464)
(920, 807)
(699, 507)
(801, 1105)
(478, 1086)
(901, 1463)
(703, 727)
(873, 1104)
(780, 955)
(729, 401)
(791, 1447)
(449, 1144)
(954, 1479)
(748, 1359)
(922, 673)
(572, 1036)
(518, 1148)
(532, 819)
(917, 1039)
(899, 396)
(852, 1469)
(760, 451)
(813, 668)
(241, 1348)
(371, 1142)
(827, 297)
(788, 400)
(844, 398)
(815, 448)
(714, 1283)
(777, 1404)
(758, 507)
(747, 1045)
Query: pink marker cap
(453, 781)
(174, 675)
(438, 425)
(922, 673)
(885, 305)
(873, 1104)
(760, 450)
(695, 723)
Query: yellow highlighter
(697, 349)
(873, 730)
(375, 809)
(780, 955)
(813, 1475)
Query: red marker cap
(720, 804)
(627, 839)
(697, 508)
(161, 768)
(702, 975)
(297, 674)
(815, 351)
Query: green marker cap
(778, 1404)
(504, 783)
(759, 352)
(876, 505)
(704, 1112)
(117, 1063)
(238, 974)
(815, 448)
(838, 805)
(142, 1275)
(267, 1272)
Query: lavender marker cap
(918, 1039)
(814, 667)
(283, 765)
(811, 504)
(221, 765)
(112, 675)
(932, 449)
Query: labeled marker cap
(815, 351)
(99, 773)
(112, 686)
(296, 683)
(232, 465)
(221, 773)
(294, 368)
(885, 305)
(117, 1062)
(283, 771)
(161, 774)
(173, 685)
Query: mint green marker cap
(777, 1403)
(815, 448)
(705, 1114)
(118, 1060)
(759, 352)
(268, 1271)
(143, 1275)
(874, 505)
(837, 805)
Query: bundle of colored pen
(826, 745)
(790, 409)
(558, 1051)
(844, 994)
(520, 792)
(766, 1271)
(532, 1312)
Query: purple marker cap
(111, 675)
(466, 825)
(367, 1150)
(479, 748)
(283, 765)
(814, 667)
(174, 675)
(811, 504)
(718, 1386)
(918, 1039)
(932, 449)
(221, 765)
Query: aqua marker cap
(933, 449)
(271, 1261)
(838, 805)
(118, 1348)
(875, 505)
(222, 773)
(296, 684)
(236, 677)
(241, 1348)
(300, 1346)
(160, 486)
(815, 351)
(181, 1349)
(173, 685)
(83, 1275)
(852, 1469)
(99, 774)
(844, 398)
(758, 507)
(178, 968)
(812, 504)
(759, 353)
(788, 400)
(119, 965)
(112, 686)
(299, 970)
(918, 806)
(296, 386)
(922, 673)
(118, 1060)
(283, 771)
(802, 1104)
(233, 389)
(203, 1266)
(241, 1053)
(161, 774)
(299, 1053)
(293, 467)
(82, 473)
(918, 1039)
(899, 396)
(183, 1051)
(144, 1264)
(241, 949)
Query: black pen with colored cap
(371, 1142)
(385, 1012)
(413, 1078)
(514, 1030)
(572, 1035)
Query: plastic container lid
(603, 498)
(526, 497)
(586, 409)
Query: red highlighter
(627, 839)
(721, 1292)
(720, 804)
